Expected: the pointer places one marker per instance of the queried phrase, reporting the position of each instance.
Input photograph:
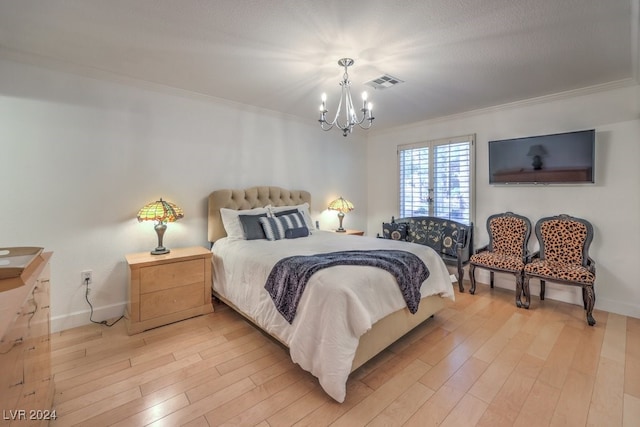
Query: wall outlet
(87, 277)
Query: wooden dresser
(167, 288)
(26, 380)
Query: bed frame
(382, 334)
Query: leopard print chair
(507, 249)
(564, 258)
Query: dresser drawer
(171, 275)
(25, 350)
(12, 364)
(156, 304)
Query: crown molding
(121, 79)
(604, 87)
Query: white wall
(612, 205)
(79, 157)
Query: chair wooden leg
(589, 297)
(522, 287)
(460, 277)
(542, 283)
(472, 277)
(491, 278)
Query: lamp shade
(537, 150)
(341, 205)
(161, 211)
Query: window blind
(436, 179)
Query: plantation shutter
(436, 179)
(414, 181)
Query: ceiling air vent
(383, 82)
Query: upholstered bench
(452, 240)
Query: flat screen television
(562, 158)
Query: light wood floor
(479, 362)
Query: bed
(346, 315)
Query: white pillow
(232, 224)
(303, 209)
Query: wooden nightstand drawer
(156, 304)
(168, 288)
(171, 275)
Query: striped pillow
(276, 227)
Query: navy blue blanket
(289, 276)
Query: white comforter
(338, 305)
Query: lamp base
(340, 218)
(537, 163)
(160, 228)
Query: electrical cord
(103, 322)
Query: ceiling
(453, 55)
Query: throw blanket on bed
(290, 275)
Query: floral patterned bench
(452, 240)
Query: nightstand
(351, 232)
(167, 288)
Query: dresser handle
(13, 344)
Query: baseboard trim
(81, 318)
(562, 293)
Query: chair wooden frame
(588, 292)
(490, 248)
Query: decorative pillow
(425, 232)
(451, 235)
(276, 227)
(231, 220)
(251, 226)
(394, 231)
(294, 233)
(303, 209)
(287, 212)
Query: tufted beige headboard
(249, 198)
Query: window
(436, 179)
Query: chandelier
(350, 117)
